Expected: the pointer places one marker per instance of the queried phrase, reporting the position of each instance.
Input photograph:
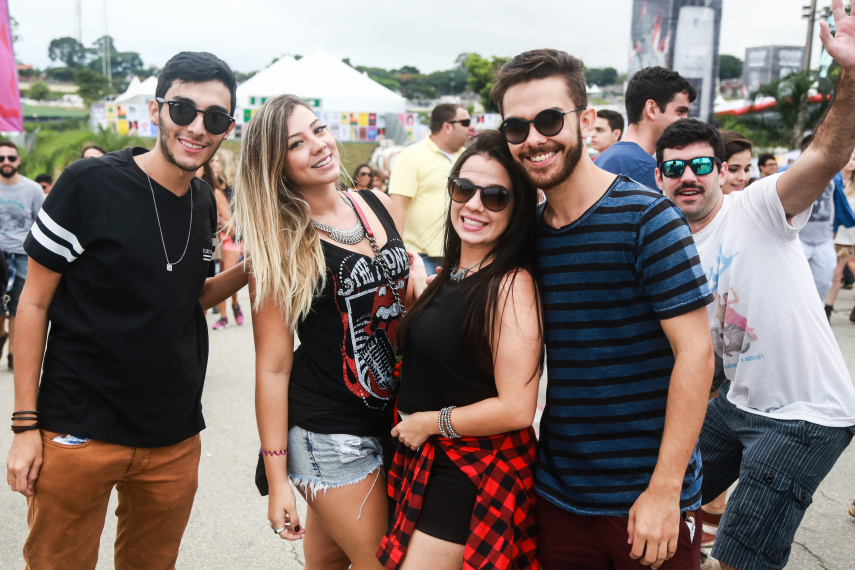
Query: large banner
(696, 28)
(10, 98)
(650, 35)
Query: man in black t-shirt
(119, 256)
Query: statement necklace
(160, 229)
(348, 237)
(459, 275)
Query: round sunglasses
(548, 122)
(701, 166)
(495, 198)
(183, 113)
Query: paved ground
(228, 528)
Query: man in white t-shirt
(786, 409)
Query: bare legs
(426, 552)
(335, 537)
(835, 283)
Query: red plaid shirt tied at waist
(503, 532)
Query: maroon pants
(566, 540)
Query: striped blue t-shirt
(608, 279)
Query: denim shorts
(320, 461)
(17, 263)
(779, 464)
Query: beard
(8, 173)
(571, 160)
(164, 135)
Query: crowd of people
(675, 304)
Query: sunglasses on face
(701, 166)
(183, 113)
(9, 158)
(494, 198)
(363, 173)
(548, 122)
(463, 122)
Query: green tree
(601, 76)
(39, 91)
(482, 77)
(777, 127)
(91, 85)
(448, 82)
(68, 51)
(60, 74)
(382, 76)
(729, 67)
(407, 70)
(415, 86)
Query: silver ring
(277, 530)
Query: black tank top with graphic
(341, 379)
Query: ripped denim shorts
(320, 461)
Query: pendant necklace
(348, 237)
(160, 229)
(459, 275)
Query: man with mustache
(786, 410)
(630, 360)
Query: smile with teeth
(542, 157)
(473, 223)
(324, 162)
(191, 145)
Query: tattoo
(202, 294)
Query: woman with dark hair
(93, 151)
(472, 357)
(363, 176)
(737, 155)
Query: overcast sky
(248, 34)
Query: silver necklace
(348, 237)
(459, 275)
(160, 229)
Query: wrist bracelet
(265, 452)
(445, 427)
(22, 416)
(21, 429)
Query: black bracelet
(23, 413)
(21, 429)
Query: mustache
(690, 186)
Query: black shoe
(3, 338)
(215, 310)
(11, 364)
(828, 311)
(852, 315)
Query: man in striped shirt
(630, 360)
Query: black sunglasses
(363, 173)
(10, 158)
(463, 122)
(548, 122)
(183, 113)
(701, 166)
(494, 198)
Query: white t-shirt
(769, 333)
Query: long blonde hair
(284, 250)
(228, 166)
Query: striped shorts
(779, 464)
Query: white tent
(138, 91)
(327, 82)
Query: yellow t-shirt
(421, 173)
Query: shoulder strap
(359, 213)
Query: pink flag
(10, 97)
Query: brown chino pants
(156, 488)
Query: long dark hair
(514, 252)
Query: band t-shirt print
(341, 379)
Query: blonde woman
(224, 166)
(323, 409)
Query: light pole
(799, 128)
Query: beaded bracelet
(445, 423)
(265, 452)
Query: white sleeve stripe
(60, 231)
(52, 245)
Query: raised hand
(840, 46)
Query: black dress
(436, 374)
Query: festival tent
(138, 91)
(325, 82)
